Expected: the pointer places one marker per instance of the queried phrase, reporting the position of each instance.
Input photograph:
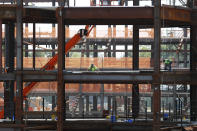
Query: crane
(50, 65)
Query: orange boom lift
(53, 61)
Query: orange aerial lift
(53, 61)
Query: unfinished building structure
(129, 82)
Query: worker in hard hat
(92, 68)
(167, 64)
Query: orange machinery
(53, 61)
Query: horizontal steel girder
(104, 41)
(112, 77)
(100, 15)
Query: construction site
(98, 65)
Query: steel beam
(95, 103)
(125, 77)
(34, 46)
(193, 67)
(109, 104)
(87, 105)
(101, 15)
(61, 67)
(105, 41)
(156, 74)
(130, 15)
(19, 63)
(135, 87)
(9, 68)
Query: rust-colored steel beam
(61, 67)
(101, 15)
(156, 74)
(175, 14)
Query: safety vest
(92, 68)
(167, 61)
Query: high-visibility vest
(92, 68)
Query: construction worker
(7, 69)
(92, 68)
(121, 2)
(167, 64)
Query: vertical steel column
(26, 50)
(87, 50)
(114, 49)
(9, 65)
(80, 100)
(152, 47)
(135, 47)
(94, 103)
(53, 48)
(109, 103)
(53, 103)
(126, 106)
(87, 105)
(19, 63)
(61, 67)
(26, 35)
(126, 50)
(135, 87)
(34, 46)
(1, 46)
(185, 47)
(156, 78)
(109, 49)
(95, 50)
(114, 106)
(26, 105)
(193, 67)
